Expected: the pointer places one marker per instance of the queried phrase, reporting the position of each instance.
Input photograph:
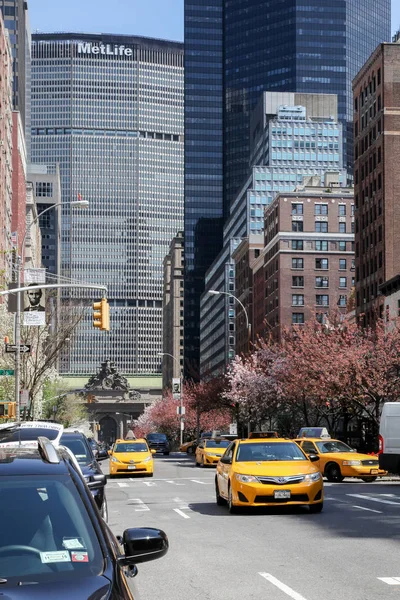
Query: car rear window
(157, 437)
(217, 443)
(79, 449)
(26, 435)
(46, 523)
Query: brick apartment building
(376, 91)
(5, 153)
(308, 255)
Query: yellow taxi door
(225, 466)
(310, 448)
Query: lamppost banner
(34, 307)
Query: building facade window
(297, 300)
(297, 281)
(297, 245)
(297, 318)
(297, 225)
(322, 300)
(322, 282)
(321, 245)
(321, 226)
(342, 264)
(342, 301)
(342, 282)
(297, 209)
(342, 227)
(321, 209)
(297, 263)
(321, 263)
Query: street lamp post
(180, 392)
(17, 370)
(248, 325)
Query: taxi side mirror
(226, 460)
(313, 457)
(109, 452)
(153, 451)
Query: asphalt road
(348, 552)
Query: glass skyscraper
(109, 110)
(235, 50)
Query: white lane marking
(372, 499)
(179, 511)
(202, 482)
(390, 580)
(149, 483)
(173, 482)
(141, 506)
(282, 586)
(122, 484)
(335, 499)
(369, 509)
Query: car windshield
(141, 447)
(25, 434)
(264, 451)
(217, 443)
(333, 446)
(79, 449)
(46, 533)
(157, 437)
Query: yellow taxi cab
(188, 447)
(131, 456)
(268, 472)
(208, 452)
(338, 460)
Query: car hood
(126, 457)
(275, 469)
(85, 588)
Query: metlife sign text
(105, 49)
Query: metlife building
(109, 109)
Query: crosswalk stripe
(390, 580)
(141, 506)
(202, 482)
(372, 499)
(122, 484)
(180, 512)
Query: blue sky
(153, 18)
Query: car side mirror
(102, 455)
(153, 451)
(142, 544)
(109, 452)
(226, 460)
(313, 457)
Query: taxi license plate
(374, 471)
(131, 467)
(280, 494)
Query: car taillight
(381, 445)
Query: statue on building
(108, 378)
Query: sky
(152, 18)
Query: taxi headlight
(147, 459)
(312, 477)
(351, 463)
(246, 478)
(113, 459)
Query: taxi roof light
(314, 432)
(263, 434)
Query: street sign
(13, 348)
(233, 428)
(24, 398)
(180, 410)
(6, 371)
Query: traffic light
(7, 410)
(101, 315)
(11, 410)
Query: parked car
(159, 442)
(389, 438)
(89, 464)
(53, 542)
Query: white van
(389, 438)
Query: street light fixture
(17, 370)
(217, 293)
(180, 390)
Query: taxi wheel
(333, 473)
(232, 508)
(220, 500)
(369, 479)
(150, 474)
(316, 508)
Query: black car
(79, 445)
(53, 542)
(159, 442)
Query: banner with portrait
(34, 306)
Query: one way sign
(13, 348)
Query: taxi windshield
(136, 447)
(264, 451)
(217, 443)
(333, 446)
